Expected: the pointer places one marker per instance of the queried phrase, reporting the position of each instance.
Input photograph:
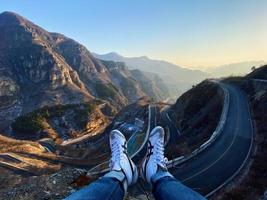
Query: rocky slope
(176, 78)
(196, 114)
(61, 122)
(39, 68)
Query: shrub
(30, 123)
(33, 122)
(105, 91)
(82, 113)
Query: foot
(154, 160)
(120, 161)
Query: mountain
(177, 79)
(234, 69)
(134, 82)
(39, 68)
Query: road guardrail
(244, 162)
(214, 136)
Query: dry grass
(12, 145)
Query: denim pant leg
(168, 188)
(105, 188)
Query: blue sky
(191, 33)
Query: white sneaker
(120, 161)
(154, 159)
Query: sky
(189, 33)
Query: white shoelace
(159, 152)
(116, 153)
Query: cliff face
(94, 73)
(32, 66)
(151, 84)
(39, 68)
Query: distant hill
(259, 73)
(234, 69)
(177, 79)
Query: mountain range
(176, 78)
(39, 68)
(179, 79)
(234, 69)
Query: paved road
(174, 131)
(223, 158)
(49, 147)
(152, 124)
(214, 166)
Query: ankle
(120, 176)
(161, 173)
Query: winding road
(213, 167)
(218, 164)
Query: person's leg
(166, 187)
(115, 183)
(105, 188)
(154, 171)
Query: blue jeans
(165, 187)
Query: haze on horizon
(187, 33)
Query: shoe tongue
(116, 159)
(116, 166)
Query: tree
(253, 68)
